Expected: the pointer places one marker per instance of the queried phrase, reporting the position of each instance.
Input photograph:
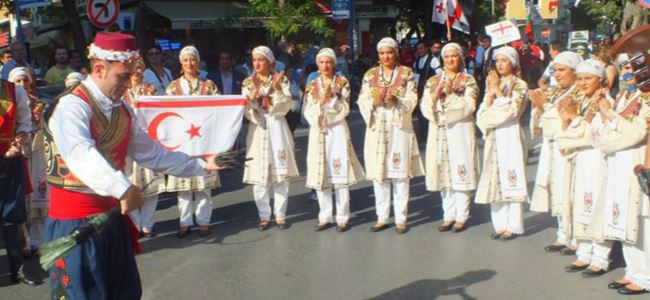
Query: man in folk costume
(269, 142)
(585, 176)
(386, 101)
(194, 194)
(503, 179)
(546, 121)
(15, 129)
(332, 164)
(449, 102)
(622, 138)
(150, 182)
(90, 132)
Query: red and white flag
(195, 125)
(439, 11)
(450, 11)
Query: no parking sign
(103, 13)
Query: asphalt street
(240, 262)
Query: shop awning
(201, 15)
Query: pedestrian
(604, 55)
(269, 142)
(449, 102)
(548, 80)
(548, 194)
(151, 183)
(422, 70)
(386, 102)
(588, 169)
(228, 81)
(622, 138)
(92, 131)
(503, 181)
(55, 76)
(194, 194)
(156, 74)
(332, 164)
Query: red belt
(68, 205)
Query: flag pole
(447, 16)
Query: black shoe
(263, 225)
(457, 229)
(342, 228)
(148, 235)
(575, 268)
(626, 291)
(402, 230)
(321, 227)
(554, 248)
(615, 285)
(589, 273)
(24, 277)
(204, 233)
(567, 251)
(282, 226)
(444, 228)
(183, 233)
(510, 237)
(378, 227)
(496, 235)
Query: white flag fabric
(439, 12)
(457, 16)
(195, 125)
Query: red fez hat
(113, 46)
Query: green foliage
(291, 17)
(598, 14)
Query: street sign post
(103, 13)
(341, 9)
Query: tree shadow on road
(433, 288)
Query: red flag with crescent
(195, 125)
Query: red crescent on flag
(153, 128)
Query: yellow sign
(516, 9)
(548, 9)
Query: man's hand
(131, 199)
(212, 164)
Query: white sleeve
(70, 127)
(23, 110)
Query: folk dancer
(151, 183)
(503, 179)
(269, 141)
(452, 164)
(386, 101)
(194, 194)
(545, 121)
(622, 138)
(332, 164)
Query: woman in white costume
(269, 141)
(503, 178)
(386, 101)
(545, 120)
(332, 164)
(449, 101)
(194, 194)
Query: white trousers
(342, 205)
(143, 217)
(508, 216)
(562, 238)
(199, 203)
(455, 205)
(262, 195)
(596, 254)
(400, 193)
(637, 256)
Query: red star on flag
(194, 131)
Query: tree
(288, 17)
(598, 14)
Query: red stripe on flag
(213, 103)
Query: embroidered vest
(179, 89)
(7, 115)
(111, 139)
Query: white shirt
(149, 77)
(226, 82)
(80, 153)
(23, 112)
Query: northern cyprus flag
(195, 125)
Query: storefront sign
(341, 9)
(376, 11)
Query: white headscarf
(17, 72)
(326, 52)
(452, 46)
(568, 58)
(189, 50)
(592, 66)
(388, 42)
(73, 78)
(264, 51)
(509, 53)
